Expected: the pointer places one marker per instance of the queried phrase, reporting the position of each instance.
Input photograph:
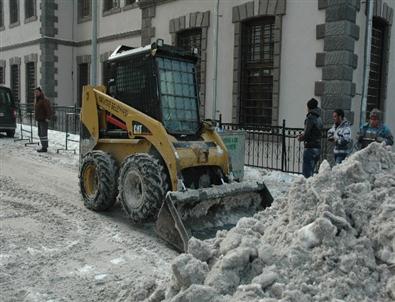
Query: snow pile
(331, 238)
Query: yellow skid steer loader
(142, 143)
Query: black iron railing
(275, 147)
(270, 147)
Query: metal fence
(271, 147)
(275, 147)
(62, 117)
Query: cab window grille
(179, 100)
(15, 81)
(14, 11)
(256, 72)
(30, 81)
(30, 8)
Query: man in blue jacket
(375, 131)
(311, 137)
(340, 135)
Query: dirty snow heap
(332, 238)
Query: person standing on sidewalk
(340, 135)
(311, 136)
(42, 111)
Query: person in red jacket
(42, 111)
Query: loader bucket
(200, 213)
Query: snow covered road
(53, 249)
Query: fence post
(31, 140)
(284, 149)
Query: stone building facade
(259, 60)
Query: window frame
(32, 17)
(80, 6)
(2, 26)
(2, 74)
(115, 7)
(17, 21)
(15, 87)
(257, 64)
(30, 83)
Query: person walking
(42, 111)
(375, 131)
(340, 135)
(311, 136)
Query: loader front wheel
(97, 179)
(141, 187)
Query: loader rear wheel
(141, 187)
(97, 179)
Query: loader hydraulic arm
(137, 124)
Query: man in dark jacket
(42, 111)
(311, 136)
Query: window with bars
(106, 73)
(84, 9)
(14, 11)
(30, 81)
(375, 87)
(30, 8)
(179, 101)
(2, 75)
(108, 5)
(256, 89)
(188, 40)
(15, 81)
(1, 14)
(83, 79)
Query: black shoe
(42, 150)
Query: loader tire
(98, 180)
(141, 187)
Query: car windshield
(179, 101)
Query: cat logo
(137, 129)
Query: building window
(14, 11)
(2, 75)
(15, 81)
(109, 5)
(106, 73)
(375, 98)
(30, 8)
(256, 89)
(129, 2)
(188, 40)
(1, 14)
(84, 10)
(30, 81)
(83, 79)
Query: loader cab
(160, 81)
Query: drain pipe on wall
(215, 55)
(366, 67)
(94, 44)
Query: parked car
(7, 111)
